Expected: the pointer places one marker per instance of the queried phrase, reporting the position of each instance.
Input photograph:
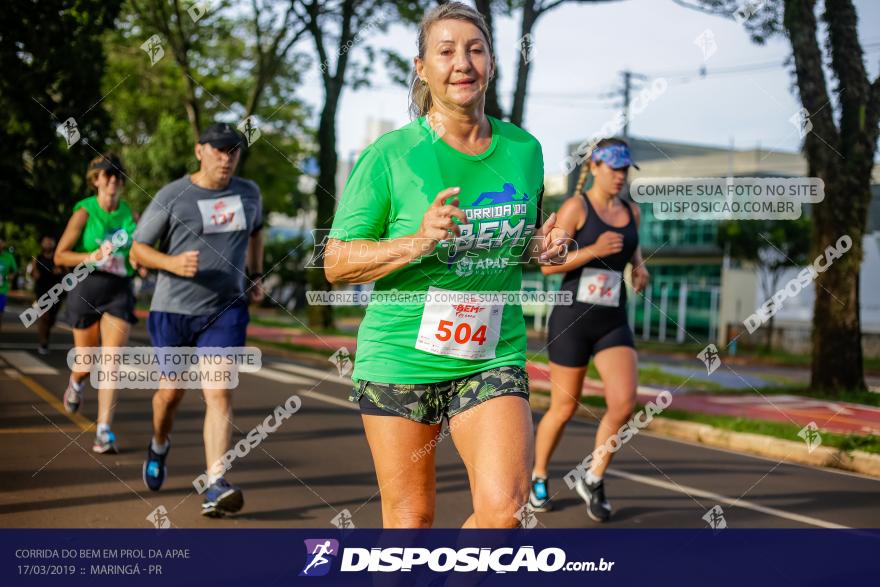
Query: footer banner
(437, 557)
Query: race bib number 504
(222, 214)
(459, 324)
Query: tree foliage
(840, 145)
(52, 61)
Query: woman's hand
(608, 243)
(104, 251)
(138, 268)
(640, 277)
(437, 223)
(553, 243)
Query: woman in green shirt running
(8, 269)
(443, 211)
(100, 308)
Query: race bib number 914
(600, 287)
(466, 327)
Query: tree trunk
(842, 159)
(325, 196)
(837, 361)
(492, 107)
(250, 108)
(530, 15)
(192, 108)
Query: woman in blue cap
(595, 325)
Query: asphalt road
(317, 465)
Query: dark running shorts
(429, 403)
(575, 333)
(97, 294)
(224, 328)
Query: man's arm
(152, 227)
(254, 265)
(254, 261)
(185, 264)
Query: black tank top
(587, 235)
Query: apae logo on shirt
(468, 264)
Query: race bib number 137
(222, 214)
(465, 327)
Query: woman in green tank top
(100, 307)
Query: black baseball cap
(221, 135)
(112, 164)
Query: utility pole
(626, 93)
(627, 83)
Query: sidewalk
(840, 417)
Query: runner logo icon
(320, 554)
(505, 196)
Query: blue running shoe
(221, 498)
(155, 470)
(539, 497)
(105, 442)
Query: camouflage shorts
(429, 403)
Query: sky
(579, 52)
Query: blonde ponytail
(582, 178)
(419, 97)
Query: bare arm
(254, 265)
(608, 243)
(185, 264)
(570, 218)
(640, 274)
(363, 261)
(255, 253)
(637, 255)
(64, 254)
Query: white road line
(330, 399)
(296, 380)
(716, 497)
(684, 489)
(27, 363)
(285, 377)
(677, 487)
(267, 373)
(314, 373)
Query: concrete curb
(855, 461)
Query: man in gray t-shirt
(203, 234)
(218, 224)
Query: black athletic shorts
(579, 331)
(99, 293)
